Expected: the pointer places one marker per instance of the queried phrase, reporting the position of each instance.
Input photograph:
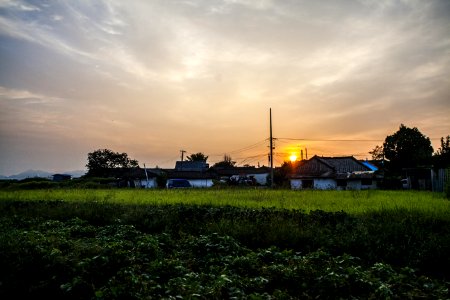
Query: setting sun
(293, 157)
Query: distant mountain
(30, 174)
(76, 173)
(42, 174)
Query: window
(307, 184)
(366, 181)
(341, 182)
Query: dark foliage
(227, 162)
(102, 160)
(106, 259)
(407, 148)
(197, 157)
(441, 159)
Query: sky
(151, 78)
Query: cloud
(153, 76)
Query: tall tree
(407, 148)
(102, 160)
(377, 153)
(197, 157)
(227, 162)
(441, 158)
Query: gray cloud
(149, 77)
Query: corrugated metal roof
(330, 167)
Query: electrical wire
(330, 140)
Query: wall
(325, 184)
(353, 184)
(296, 184)
(260, 178)
(331, 184)
(201, 183)
(319, 184)
(151, 183)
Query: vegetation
(197, 157)
(227, 162)
(102, 160)
(407, 148)
(353, 202)
(442, 155)
(216, 244)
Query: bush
(77, 260)
(33, 185)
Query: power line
(330, 140)
(338, 140)
(248, 147)
(243, 149)
(251, 158)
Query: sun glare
(293, 157)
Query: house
(191, 166)
(198, 179)
(196, 172)
(420, 178)
(146, 178)
(341, 173)
(133, 177)
(243, 175)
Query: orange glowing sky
(151, 78)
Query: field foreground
(260, 244)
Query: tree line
(409, 148)
(406, 148)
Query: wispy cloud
(203, 73)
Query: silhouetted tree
(377, 153)
(197, 157)
(407, 148)
(441, 158)
(227, 162)
(282, 175)
(102, 160)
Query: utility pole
(146, 176)
(271, 150)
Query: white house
(196, 172)
(333, 173)
(243, 174)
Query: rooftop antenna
(182, 157)
(182, 154)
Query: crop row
(75, 259)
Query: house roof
(240, 171)
(174, 174)
(191, 166)
(370, 165)
(330, 167)
(134, 173)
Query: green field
(353, 202)
(223, 244)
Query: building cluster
(339, 173)
(318, 172)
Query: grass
(249, 244)
(352, 202)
